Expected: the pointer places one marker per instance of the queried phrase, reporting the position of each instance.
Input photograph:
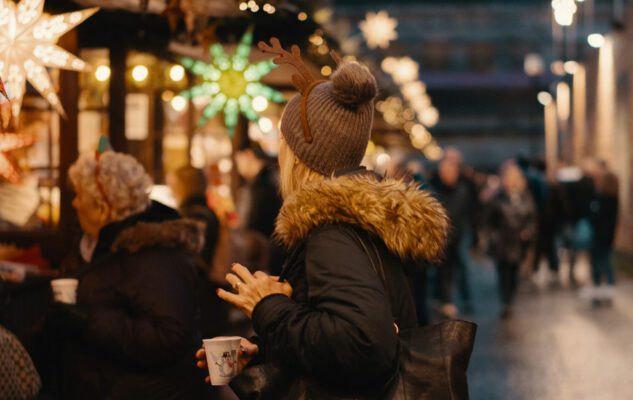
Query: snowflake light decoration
(231, 83)
(27, 47)
(379, 29)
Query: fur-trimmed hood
(411, 223)
(186, 234)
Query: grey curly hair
(123, 181)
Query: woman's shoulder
(335, 230)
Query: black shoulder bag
(433, 359)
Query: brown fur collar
(182, 233)
(410, 221)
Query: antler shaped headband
(303, 81)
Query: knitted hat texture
(340, 113)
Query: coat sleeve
(344, 332)
(154, 322)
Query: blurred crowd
(521, 219)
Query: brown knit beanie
(339, 115)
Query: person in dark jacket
(134, 325)
(577, 191)
(513, 222)
(328, 319)
(454, 194)
(189, 186)
(259, 200)
(604, 219)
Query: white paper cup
(222, 358)
(65, 290)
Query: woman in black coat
(513, 225)
(134, 326)
(328, 320)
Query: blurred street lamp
(544, 98)
(558, 68)
(533, 65)
(571, 67)
(564, 11)
(595, 40)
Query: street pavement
(555, 347)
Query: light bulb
(140, 73)
(102, 73)
(265, 124)
(178, 103)
(260, 103)
(177, 73)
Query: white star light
(27, 47)
(379, 29)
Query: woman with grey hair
(134, 326)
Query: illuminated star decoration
(379, 29)
(27, 47)
(232, 84)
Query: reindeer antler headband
(303, 80)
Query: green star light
(231, 83)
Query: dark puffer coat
(338, 328)
(513, 223)
(139, 293)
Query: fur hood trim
(411, 223)
(177, 233)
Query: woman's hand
(247, 352)
(251, 288)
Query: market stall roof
(215, 8)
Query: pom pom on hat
(353, 85)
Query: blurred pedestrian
(134, 325)
(332, 318)
(470, 218)
(512, 221)
(189, 187)
(577, 191)
(455, 197)
(548, 211)
(604, 218)
(259, 200)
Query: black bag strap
(378, 269)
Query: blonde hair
(292, 172)
(123, 180)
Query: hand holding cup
(221, 371)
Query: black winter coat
(604, 219)
(196, 208)
(139, 292)
(338, 328)
(512, 220)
